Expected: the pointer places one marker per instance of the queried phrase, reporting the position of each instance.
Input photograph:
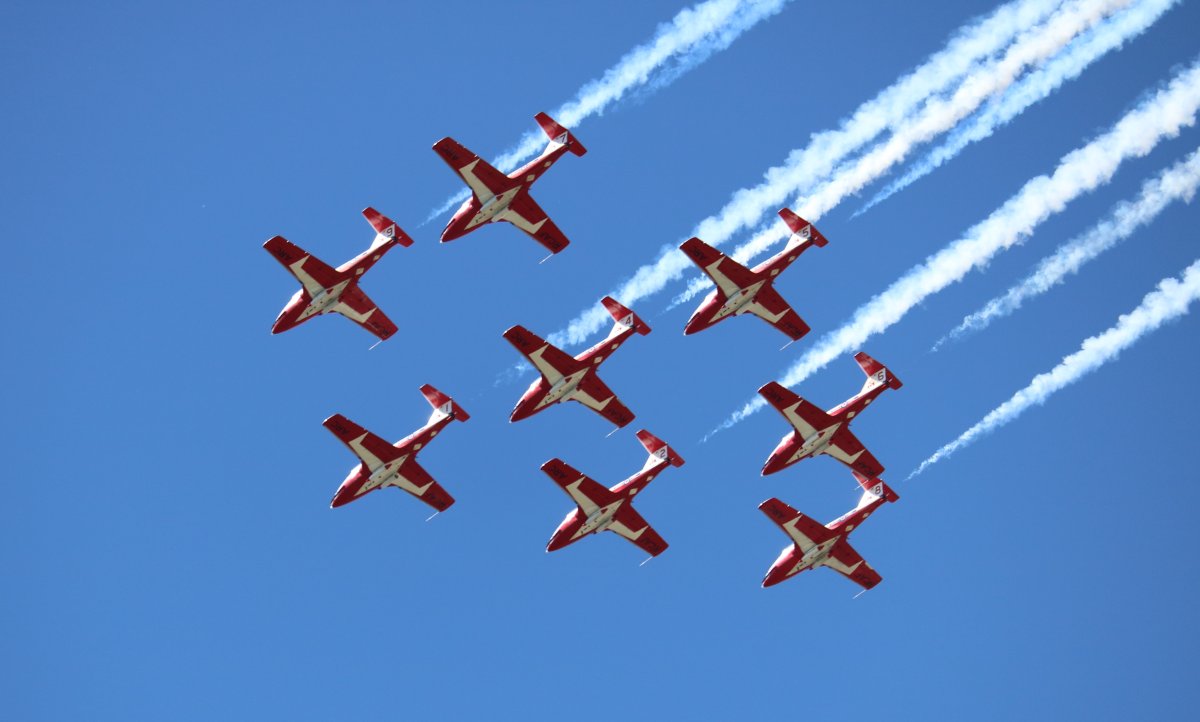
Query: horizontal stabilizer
(443, 403)
(559, 134)
(623, 316)
(802, 228)
(386, 228)
(877, 371)
(656, 447)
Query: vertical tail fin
(559, 134)
(877, 373)
(658, 450)
(802, 229)
(443, 404)
(873, 488)
(385, 228)
(623, 316)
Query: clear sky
(168, 550)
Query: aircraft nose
(342, 497)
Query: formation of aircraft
(818, 432)
(382, 464)
(563, 377)
(499, 197)
(603, 509)
(816, 545)
(751, 290)
(573, 378)
(335, 290)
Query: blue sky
(168, 547)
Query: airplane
(814, 545)
(817, 432)
(383, 464)
(499, 197)
(326, 290)
(744, 290)
(601, 509)
(574, 379)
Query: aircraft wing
(594, 394)
(551, 362)
(849, 563)
(356, 306)
(803, 416)
(527, 215)
(484, 180)
(770, 307)
(630, 525)
(313, 274)
(372, 450)
(804, 531)
(846, 448)
(587, 493)
(729, 275)
(416, 481)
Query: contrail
(1178, 182)
(1159, 116)
(1169, 301)
(974, 42)
(938, 116)
(690, 38)
(1109, 36)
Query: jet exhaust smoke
(1170, 300)
(1161, 115)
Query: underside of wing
(846, 448)
(527, 215)
(849, 563)
(416, 481)
(314, 274)
(369, 448)
(630, 525)
(594, 394)
(587, 493)
(806, 418)
(484, 180)
(356, 306)
(770, 307)
(729, 275)
(805, 531)
(551, 362)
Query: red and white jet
(814, 545)
(603, 509)
(817, 432)
(745, 290)
(326, 290)
(574, 379)
(385, 464)
(499, 197)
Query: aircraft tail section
(623, 316)
(559, 134)
(658, 449)
(386, 230)
(873, 487)
(443, 404)
(802, 228)
(877, 373)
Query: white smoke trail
(976, 41)
(1108, 36)
(1178, 182)
(1169, 301)
(936, 117)
(690, 38)
(1159, 116)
